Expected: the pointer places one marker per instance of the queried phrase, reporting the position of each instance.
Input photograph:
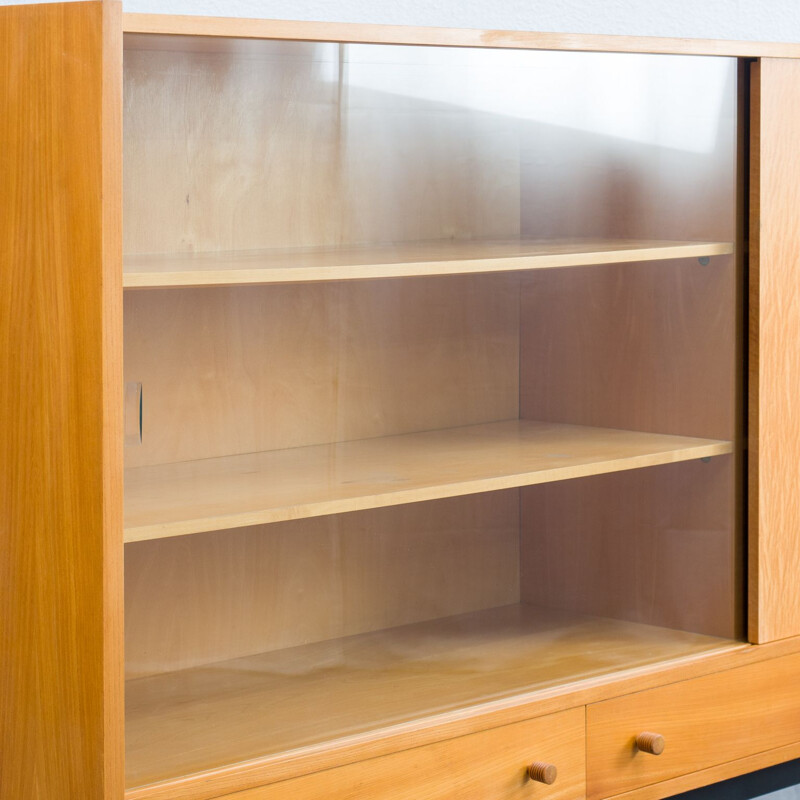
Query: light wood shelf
(236, 491)
(396, 260)
(189, 721)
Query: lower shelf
(204, 718)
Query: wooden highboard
(205, 541)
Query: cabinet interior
(439, 353)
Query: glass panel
(440, 349)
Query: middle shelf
(402, 259)
(256, 488)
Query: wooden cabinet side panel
(774, 367)
(60, 391)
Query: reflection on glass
(370, 498)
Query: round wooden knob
(652, 743)
(543, 772)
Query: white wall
(767, 20)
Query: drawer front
(491, 765)
(704, 722)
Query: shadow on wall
(776, 783)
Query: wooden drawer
(705, 721)
(490, 765)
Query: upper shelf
(236, 491)
(396, 260)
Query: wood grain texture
(543, 772)
(448, 37)
(490, 765)
(715, 774)
(217, 596)
(261, 368)
(279, 146)
(310, 696)
(252, 489)
(653, 347)
(705, 722)
(657, 546)
(399, 260)
(502, 711)
(655, 342)
(774, 367)
(649, 742)
(61, 727)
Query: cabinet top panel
(196, 26)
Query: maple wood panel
(649, 347)
(652, 347)
(254, 368)
(279, 485)
(774, 368)
(397, 260)
(60, 362)
(298, 582)
(658, 546)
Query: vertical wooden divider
(61, 668)
(774, 364)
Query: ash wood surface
(191, 497)
(774, 368)
(488, 765)
(304, 581)
(706, 721)
(397, 260)
(272, 703)
(61, 726)
(450, 37)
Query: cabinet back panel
(240, 370)
(648, 346)
(291, 144)
(657, 546)
(198, 599)
(652, 347)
